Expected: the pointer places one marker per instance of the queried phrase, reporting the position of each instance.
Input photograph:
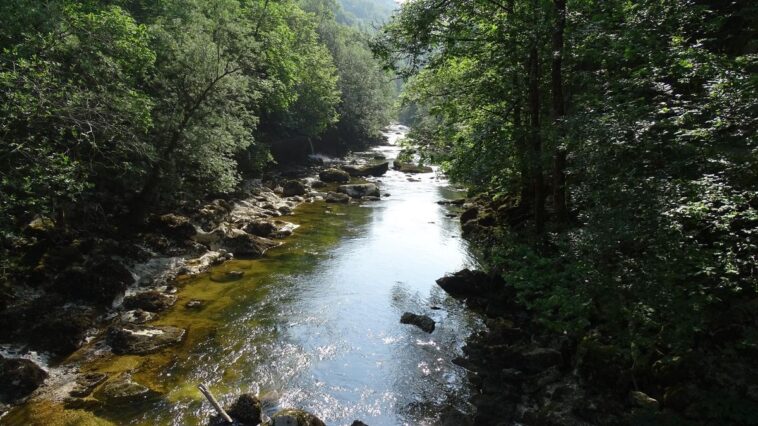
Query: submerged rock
(293, 417)
(124, 391)
(360, 190)
(246, 410)
(151, 301)
(334, 175)
(367, 170)
(86, 383)
(421, 321)
(18, 378)
(141, 340)
(194, 304)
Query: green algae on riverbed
(169, 372)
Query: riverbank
(527, 370)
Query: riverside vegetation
(609, 149)
(612, 149)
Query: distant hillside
(366, 13)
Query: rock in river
(292, 417)
(150, 301)
(334, 175)
(367, 170)
(466, 283)
(124, 391)
(335, 197)
(411, 168)
(141, 340)
(292, 188)
(246, 410)
(360, 190)
(421, 321)
(86, 383)
(246, 245)
(18, 378)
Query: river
(315, 324)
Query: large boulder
(150, 301)
(19, 378)
(334, 175)
(367, 170)
(246, 245)
(421, 321)
(292, 188)
(61, 330)
(292, 417)
(466, 283)
(140, 340)
(174, 226)
(99, 280)
(360, 190)
(246, 410)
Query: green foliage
(129, 105)
(69, 109)
(659, 129)
(366, 90)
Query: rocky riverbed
(108, 315)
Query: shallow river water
(315, 324)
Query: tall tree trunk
(538, 180)
(524, 157)
(559, 111)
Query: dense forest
(608, 149)
(613, 145)
(111, 107)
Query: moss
(168, 372)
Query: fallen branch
(209, 396)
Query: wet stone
(421, 321)
(124, 391)
(291, 417)
(86, 383)
(141, 340)
(151, 301)
(246, 410)
(19, 378)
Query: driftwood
(209, 396)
